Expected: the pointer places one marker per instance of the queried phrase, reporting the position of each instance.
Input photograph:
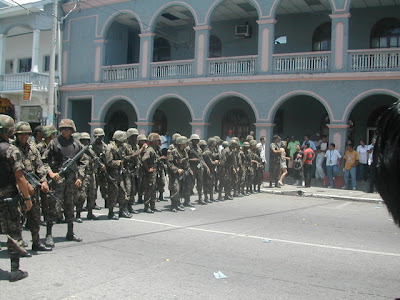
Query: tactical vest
(65, 151)
(7, 177)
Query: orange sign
(27, 91)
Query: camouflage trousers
(101, 181)
(229, 182)
(117, 191)
(274, 171)
(33, 218)
(87, 192)
(208, 184)
(48, 205)
(259, 174)
(11, 224)
(150, 193)
(241, 180)
(174, 188)
(160, 182)
(66, 192)
(198, 178)
(132, 186)
(249, 177)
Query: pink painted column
(201, 129)
(202, 41)
(338, 136)
(146, 54)
(266, 40)
(340, 42)
(144, 127)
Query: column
(340, 42)
(3, 38)
(35, 50)
(267, 130)
(338, 135)
(98, 76)
(146, 54)
(266, 42)
(202, 41)
(144, 127)
(201, 129)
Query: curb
(302, 193)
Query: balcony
(120, 72)
(15, 82)
(172, 69)
(313, 62)
(228, 66)
(374, 60)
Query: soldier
(236, 180)
(197, 165)
(88, 189)
(114, 161)
(99, 147)
(242, 172)
(211, 162)
(173, 144)
(142, 142)
(249, 175)
(179, 171)
(48, 204)
(133, 167)
(274, 162)
(58, 151)
(11, 174)
(257, 165)
(150, 160)
(33, 164)
(230, 168)
(160, 182)
(37, 135)
(221, 172)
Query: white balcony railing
(15, 82)
(374, 59)
(120, 72)
(302, 62)
(240, 65)
(172, 69)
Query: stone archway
(119, 116)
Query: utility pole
(51, 114)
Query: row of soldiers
(65, 171)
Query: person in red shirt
(308, 158)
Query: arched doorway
(231, 113)
(363, 117)
(172, 114)
(299, 116)
(120, 116)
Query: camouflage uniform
(230, 164)
(150, 160)
(221, 172)
(248, 166)
(242, 172)
(274, 165)
(160, 182)
(133, 167)
(197, 166)
(209, 179)
(101, 180)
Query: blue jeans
(347, 174)
(332, 171)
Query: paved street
(315, 248)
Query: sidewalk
(318, 191)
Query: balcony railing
(240, 65)
(302, 62)
(374, 59)
(120, 72)
(15, 82)
(172, 69)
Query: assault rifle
(70, 164)
(199, 157)
(98, 162)
(34, 181)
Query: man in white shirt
(332, 163)
(321, 150)
(362, 151)
(261, 145)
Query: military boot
(130, 208)
(16, 274)
(259, 188)
(49, 238)
(78, 218)
(91, 216)
(161, 197)
(71, 236)
(37, 245)
(220, 197)
(123, 212)
(200, 201)
(206, 200)
(111, 214)
(140, 199)
(187, 203)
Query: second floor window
(46, 63)
(322, 38)
(162, 50)
(386, 34)
(215, 46)
(25, 65)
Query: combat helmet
(67, 123)
(253, 143)
(23, 127)
(76, 135)
(249, 138)
(48, 130)
(225, 144)
(84, 136)
(182, 140)
(98, 132)
(154, 137)
(194, 137)
(141, 137)
(119, 136)
(175, 136)
(202, 143)
(132, 131)
(211, 141)
(246, 145)
(6, 125)
(233, 143)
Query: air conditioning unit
(242, 31)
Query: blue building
(291, 67)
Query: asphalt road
(269, 247)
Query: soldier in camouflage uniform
(198, 166)
(160, 182)
(249, 176)
(231, 168)
(142, 142)
(48, 204)
(114, 161)
(88, 189)
(57, 152)
(236, 180)
(221, 172)
(259, 172)
(242, 172)
(33, 164)
(211, 162)
(173, 144)
(179, 171)
(150, 160)
(11, 173)
(99, 147)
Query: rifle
(34, 181)
(70, 164)
(98, 162)
(200, 158)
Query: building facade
(25, 47)
(273, 66)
